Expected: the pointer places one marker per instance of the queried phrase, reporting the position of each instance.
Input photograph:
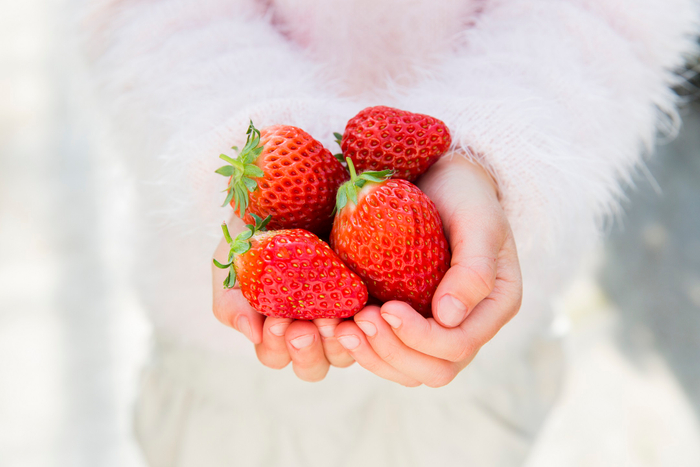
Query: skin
(479, 294)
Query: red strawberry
(292, 274)
(390, 233)
(383, 138)
(282, 171)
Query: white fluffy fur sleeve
(560, 99)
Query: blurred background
(73, 338)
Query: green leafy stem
(349, 189)
(242, 171)
(238, 246)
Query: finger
(467, 199)
(335, 353)
(232, 309)
(272, 352)
(462, 343)
(476, 235)
(230, 306)
(503, 303)
(431, 371)
(306, 350)
(427, 336)
(355, 341)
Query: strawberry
(282, 171)
(390, 233)
(291, 274)
(381, 138)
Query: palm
(479, 293)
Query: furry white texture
(558, 99)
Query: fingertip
(369, 320)
(348, 335)
(326, 326)
(392, 320)
(349, 341)
(367, 314)
(300, 327)
(277, 326)
(366, 311)
(345, 363)
(251, 326)
(450, 311)
(272, 359)
(397, 313)
(231, 307)
(468, 281)
(301, 334)
(326, 321)
(302, 342)
(397, 308)
(345, 327)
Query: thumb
(476, 241)
(476, 228)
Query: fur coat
(559, 100)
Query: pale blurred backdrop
(73, 337)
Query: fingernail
(279, 328)
(349, 342)
(451, 311)
(327, 331)
(393, 321)
(367, 327)
(243, 325)
(303, 341)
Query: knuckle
(482, 273)
(516, 305)
(511, 303)
(418, 337)
(371, 365)
(390, 353)
(461, 353)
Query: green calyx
(238, 246)
(243, 171)
(350, 189)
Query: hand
(310, 346)
(479, 294)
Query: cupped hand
(478, 295)
(310, 345)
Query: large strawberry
(283, 172)
(291, 274)
(384, 138)
(390, 233)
